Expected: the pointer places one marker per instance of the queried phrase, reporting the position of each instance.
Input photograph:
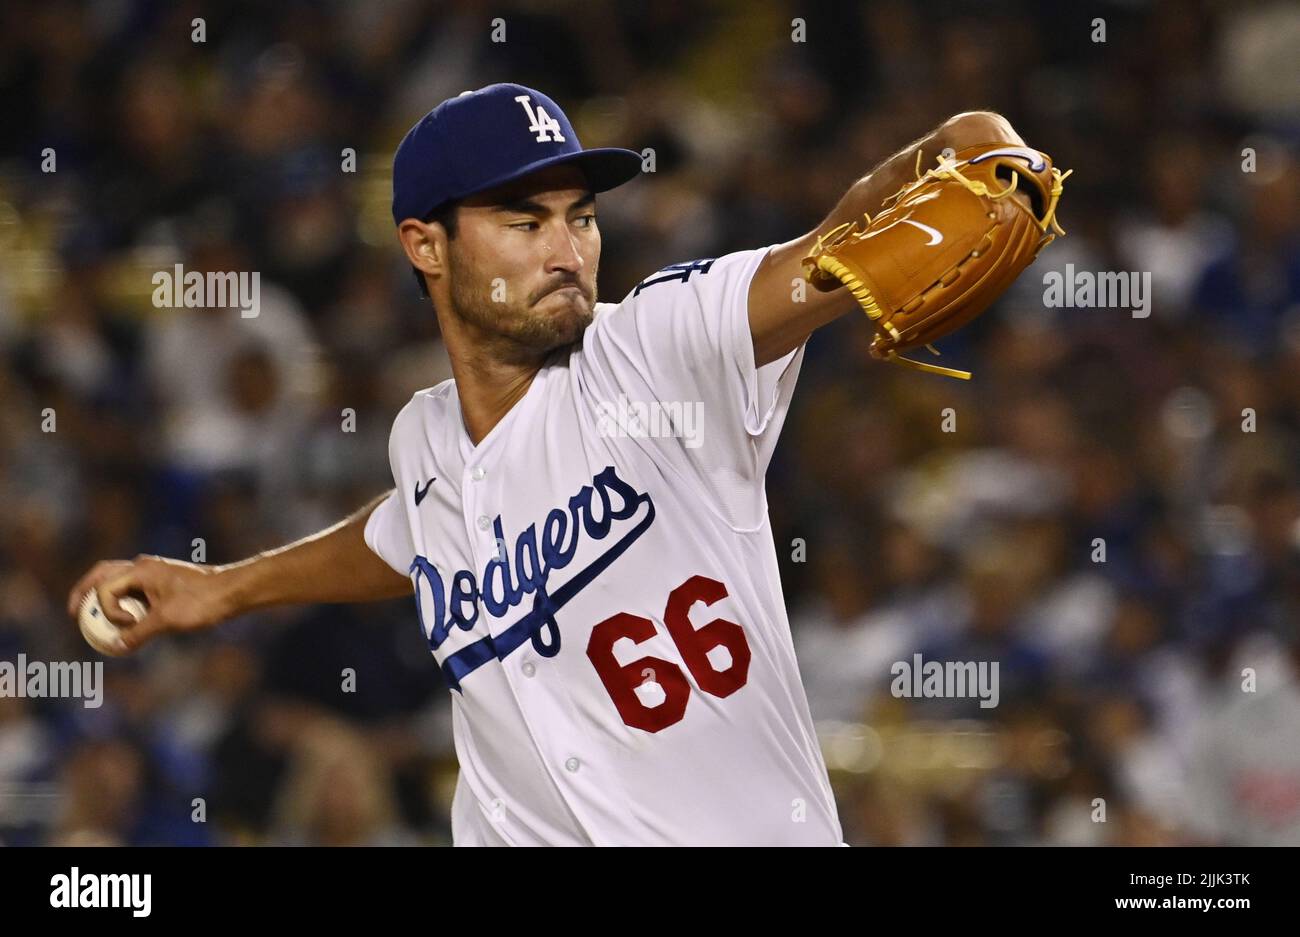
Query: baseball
(99, 632)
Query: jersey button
(529, 668)
(478, 473)
(484, 522)
(572, 765)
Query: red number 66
(694, 645)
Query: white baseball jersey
(598, 582)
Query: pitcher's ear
(424, 243)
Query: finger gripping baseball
(944, 247)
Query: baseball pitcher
(580, 513)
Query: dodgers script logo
(504, 585)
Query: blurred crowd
(1110, 509)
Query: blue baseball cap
(485, 138)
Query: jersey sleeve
(681, 339)
(388, 535)
(388, 529)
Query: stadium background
(1119, 680)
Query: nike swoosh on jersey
(419, 495)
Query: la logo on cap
(541, 123)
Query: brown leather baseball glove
(945, 246)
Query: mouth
(565, 291)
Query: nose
(562, 252)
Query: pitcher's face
(523, 263)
